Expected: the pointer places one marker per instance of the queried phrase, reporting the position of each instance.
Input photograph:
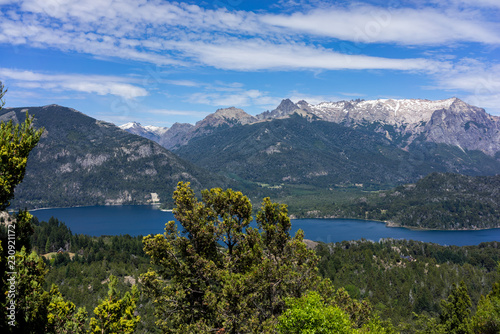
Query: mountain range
(367, 144)
(83, 161)
(296, 153)
(450, 121)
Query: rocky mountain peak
(449, 121)
(130, 125)
(285, 108)
(229, 116)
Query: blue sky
(160, 62)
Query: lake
(144, 220)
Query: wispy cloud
(309, 35)
(178, 34)
(239, 98)
(481, 83)
(97, 84)
(370, 24)
(170, 112)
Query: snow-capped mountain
(450, 121)
(149, 131)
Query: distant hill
(82, 161)
(438, 201)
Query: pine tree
(455, 314)
(47, 246)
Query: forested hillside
(82, 161)
(298, 150)
(438, 201)
(400, 279)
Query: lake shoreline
(143, 220)
(394, 224)
(292, 217)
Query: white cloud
(476, 83)
(97, 84)
(296, 96)
(240, 98)
(257, 54)
(370, 24)
(165, 33)
(185, 83)
(170, 112)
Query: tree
(115, 314)
(16, 143)
(31, 300)
(309, 314)
(455, 314)
(487, 317)
(219, 274)
(63, 317)
(22, 271)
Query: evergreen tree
(487, 317)
(63, 317)
(16, 143)
(202, 287)
(47, 246)
(309, 314)
(455, 314)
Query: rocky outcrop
(464, 126)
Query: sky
(159, 62)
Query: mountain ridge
(449, 121)
(83, 161)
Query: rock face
(450, 121)
(180, 133)
(285, 109)
(82, 161)
(226, 116)
(176, 135)
(465, 126)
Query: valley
(319, 159)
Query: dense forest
(403, 281)
(437, 201)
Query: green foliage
(398, 286)
(16, 143)
(63, 317)
(298, 151)
(455, 314)
(438, 201)
(115, 314)
(31, 300)
(3, 91)
(309, 314)
(200, 286)
(487, 317)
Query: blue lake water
(144, 220)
